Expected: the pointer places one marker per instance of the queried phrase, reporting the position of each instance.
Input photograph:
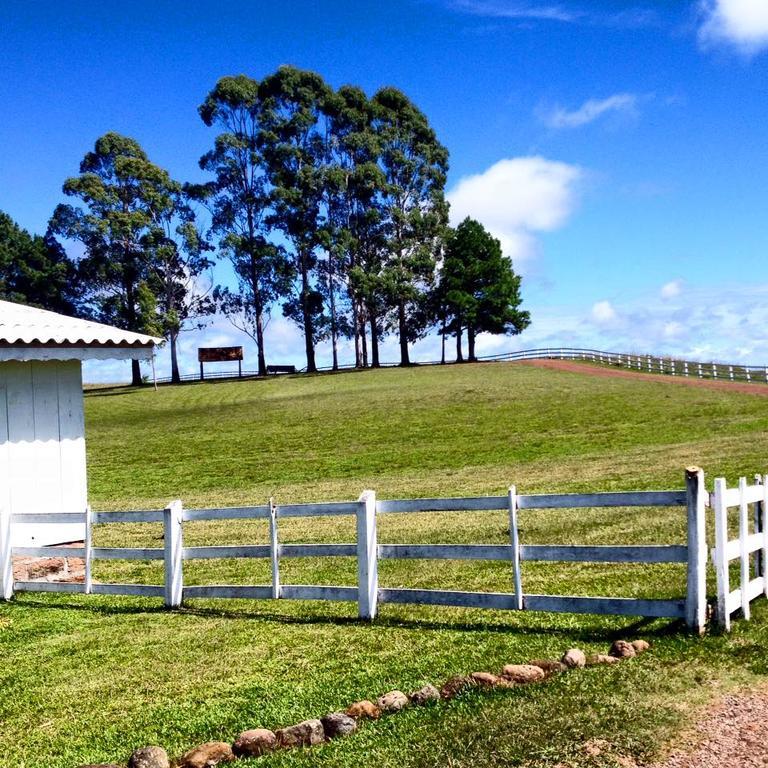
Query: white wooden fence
(750, 548)
(691, 607)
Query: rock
(574, 658)
(455, 685)
(304, 734)
(522, 674)
(640, 645)
(362, 710)
(254, 742)
(484, 679)
(207, 755)
(338, 724)
(393, 701)
(601, 658)
(621, 649)
(149, 757)
(424, 695)
(549, 666)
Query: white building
(42, 433)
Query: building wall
(42, 446)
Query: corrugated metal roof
(20, 324)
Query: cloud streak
(589, 111)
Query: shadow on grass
(649, 627)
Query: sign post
(220, 355)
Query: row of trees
(327, 203)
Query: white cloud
(671, 289)
(589, 111)
(603, 312)
(741, 23)
(517, 198)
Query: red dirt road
(572, 366)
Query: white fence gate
(750, 548)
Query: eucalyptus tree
(414, 164)
(117, 187)
(478, 288)
(36, 270)
(178, 267)
(353, 181)
(293, 151)
(239, 200)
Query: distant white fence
(690, 607)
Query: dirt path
(619, 373)
(733, 734)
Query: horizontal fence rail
(367, 552)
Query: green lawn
(89, 679)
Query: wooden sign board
(219, 354)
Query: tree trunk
(262, 362)
(135, 374)
(309, 330)
(403, 333)
(356, 324)
(374, 342)
(175, 378)
(442, 342)
(459, 353)
(471, 344)
(334, 329)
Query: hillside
(121, 672)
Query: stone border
(256, 742)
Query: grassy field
(89, 679)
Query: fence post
(173, 555)
(764, 530)
(367, 556)
(721, 556)
(88, 541)
(514, 537)
(6, 561)
(743, 548)
(274, 549)
(696, 597)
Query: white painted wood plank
(605, 554)
(753, 543)
(49, 452)
(133, 516)
(696, 576)
(173, 553)
(274, 549)
(227, 513)
(49, 586)
(234, 591)
(318, 550)
(367, 556)
(467, 504)
(622, 499)
(619, 606)
(225, 552)
(128, 553)
(318, 592)
(39, 518)
(720, 557)
(446, 552)
(317, 510)
(51, 551)
(74, 490)
(88, 549)
(6, 559)
(493, 600)
(764, 533)
(744, 554)
(514, 538)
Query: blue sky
(618, 149)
